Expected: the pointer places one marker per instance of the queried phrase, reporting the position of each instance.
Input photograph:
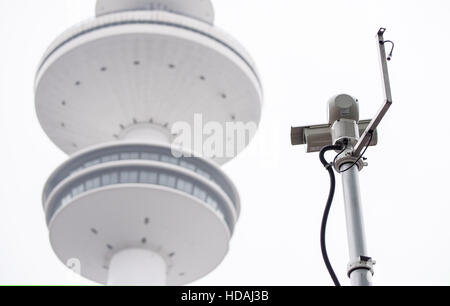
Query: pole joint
(363, 263)
(347, 158)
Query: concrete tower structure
(131, 208)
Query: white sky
(306, 51)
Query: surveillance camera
(343, 107)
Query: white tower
(108, 92)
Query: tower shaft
(137, 267)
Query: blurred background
(306, 51)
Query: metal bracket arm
(387, 96)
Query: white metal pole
(355, 226)
(137, 267)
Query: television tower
(128, 205)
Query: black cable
(362, 154)
(392, 50)
(326, 213)
(340, 153)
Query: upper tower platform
(144, 62)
